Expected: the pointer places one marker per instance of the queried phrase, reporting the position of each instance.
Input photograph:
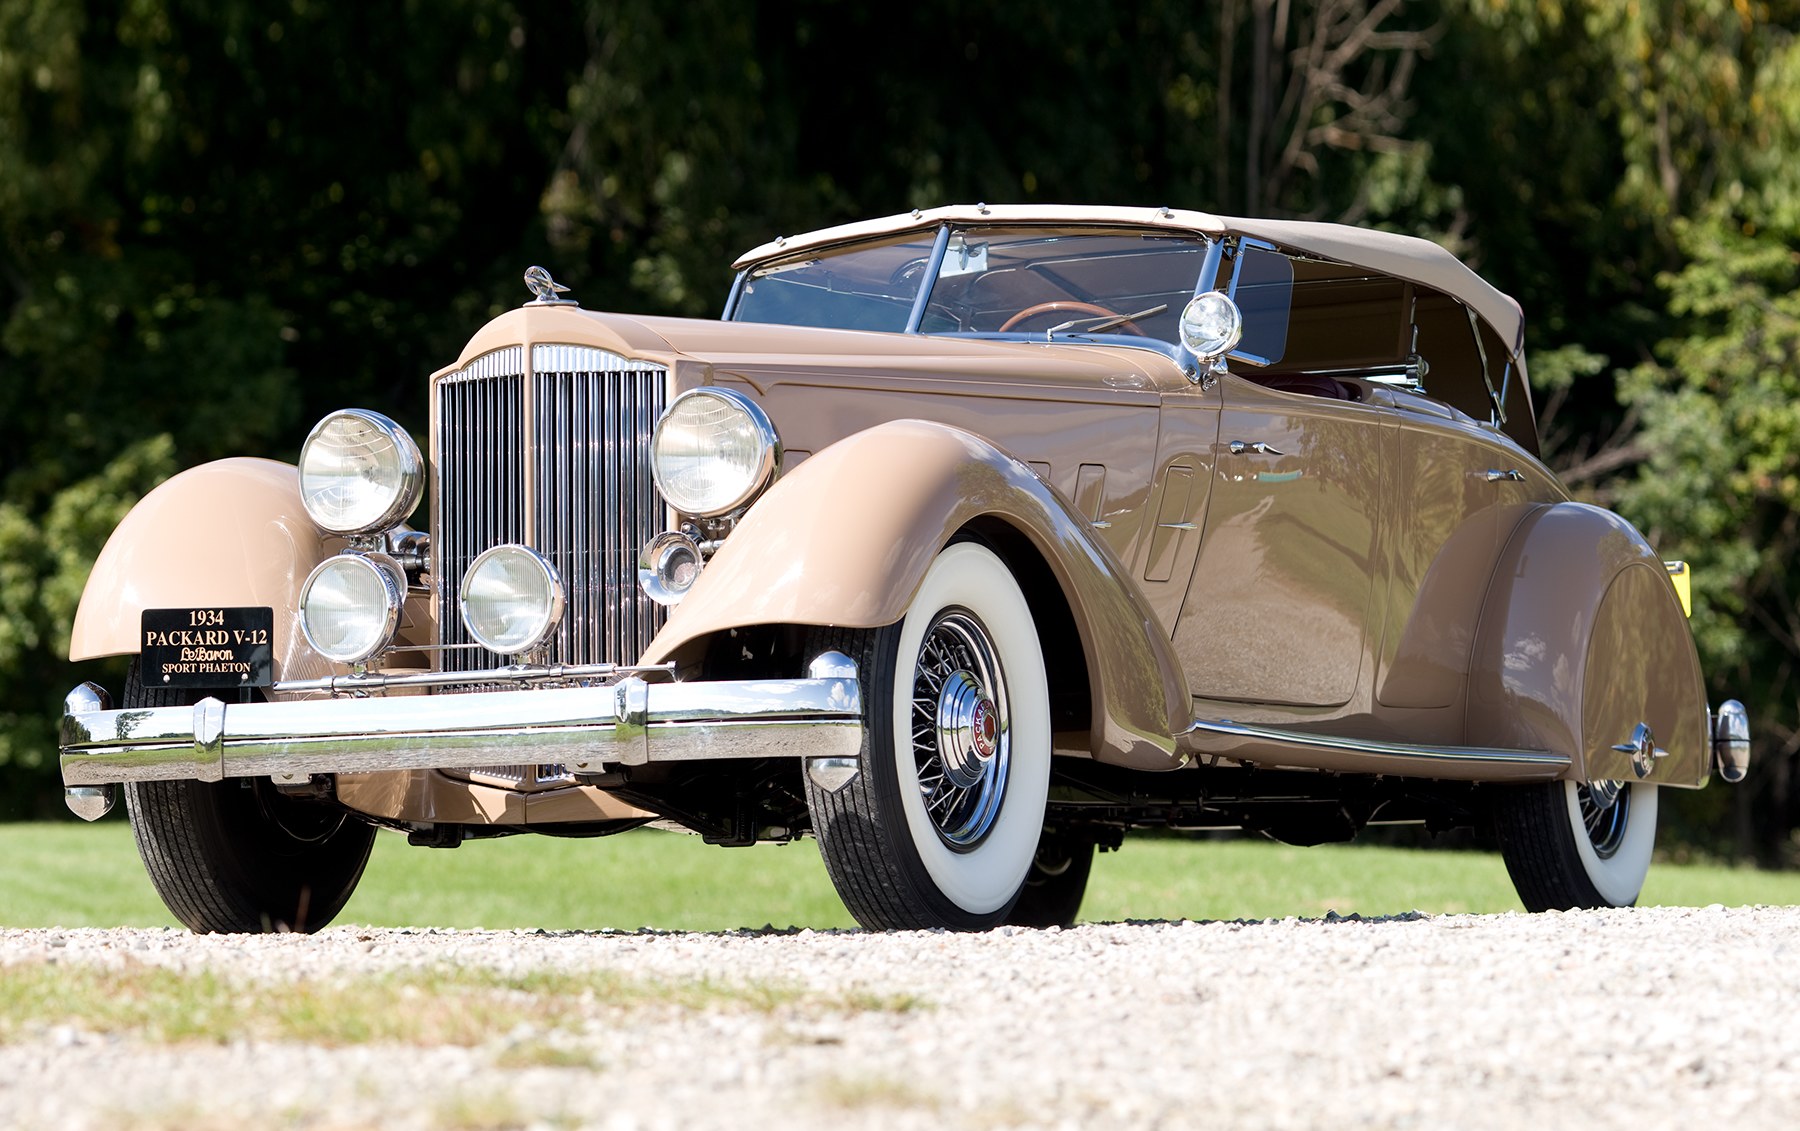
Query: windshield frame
(942, 234)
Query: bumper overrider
(624, 721)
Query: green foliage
(1720, 400)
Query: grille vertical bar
(576, 444)
(480, 448)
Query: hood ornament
(546, 289)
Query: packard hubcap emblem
(968, 729)
(984, 732)
(545, 288)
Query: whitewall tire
(1568, 844)
(939, 825)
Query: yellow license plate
(1681, 576)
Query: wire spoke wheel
(1575, 844)
(939, 825)
(1605, 815)
(961, 744)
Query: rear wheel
(239, 856)
(1574, 844)
(939, 823)
(1056, 883)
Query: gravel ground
(1649, 1018)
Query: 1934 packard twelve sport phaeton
(965, 542)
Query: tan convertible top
(1404, 257)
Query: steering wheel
(1070, 306)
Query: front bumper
(628, 722)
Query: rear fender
(1582, 638)
(845, 539)
(228, 533)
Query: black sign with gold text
(208, 647)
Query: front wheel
(239, 856)
(939, 823)
(1574, 844)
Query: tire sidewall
(1619, 878)
(985, 880)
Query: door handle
(1510, 475)
(1239, 447)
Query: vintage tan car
(965, 542)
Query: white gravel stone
(1634, 1019)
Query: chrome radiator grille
(558, 459)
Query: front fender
(1582, 638)
(846, 537)
(228, 533)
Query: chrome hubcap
(968, 730)
(961, 744)
(1605, 811)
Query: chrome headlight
(359, 472)
(1211, 326)
(712, 451)
(512, 599)
(350, 605)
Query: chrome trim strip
(586, 359)
(515, 675)
(1428, 758)
(630, 722)
(731, 300)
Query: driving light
(668, 566)
(359, 472)
(712, 451)
(512, 599)
(350, 605)
(1211, 326)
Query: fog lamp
(350, 605)
(512, 599)
(668, 566)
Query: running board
(1286, 749)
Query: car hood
(698, 348)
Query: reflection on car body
(967, 541)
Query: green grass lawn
(75, 875)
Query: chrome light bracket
(412, 549)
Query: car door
(1277, 608)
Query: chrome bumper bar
(630, 722)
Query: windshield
(1036, 281)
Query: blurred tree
(1720, 402)
(216, 221)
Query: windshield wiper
(1104, 322)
